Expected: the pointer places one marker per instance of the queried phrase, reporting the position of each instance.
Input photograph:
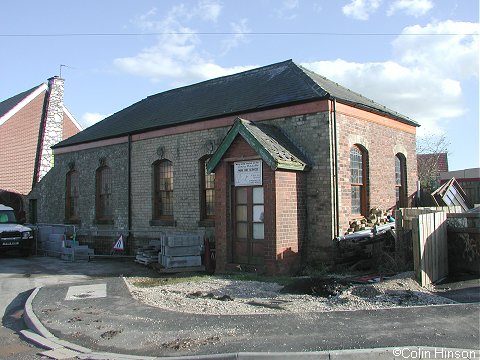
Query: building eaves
(262, 88)
(352, 98)
(268, 87)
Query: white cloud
(92, 118)
(424, 97)
(361, 9)
(176, 57)
(448, 51)
(209, 9)
(286, 9)
(410, 7)
(423, 80)
(240, 29)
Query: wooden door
(248, 225)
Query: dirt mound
(320, 286)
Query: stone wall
(184, 151)
(50, 192)
(311, 133)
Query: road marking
(86, 292)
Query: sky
(417, 57)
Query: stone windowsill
(163, 222)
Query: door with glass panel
(248, 225)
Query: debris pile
(368, 243)
(148, 254)
(376, 217)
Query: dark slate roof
(266, 87)
(9, 104)
(273, 146)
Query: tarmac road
(19, 276)
(118, 324)
(114, 322)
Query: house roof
(263, 88)
(438, 160)
(268, 141)
(9, 104)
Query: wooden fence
(430, 247)
(422, 239)
(464, 242)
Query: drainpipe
(335, 169)
(129, 185)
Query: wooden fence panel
(430, 247)
(404, 227)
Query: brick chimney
(52, 125)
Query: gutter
(335, 168)
(129, 185)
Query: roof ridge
(220, 78)
(25, 93)
(12, 104)
(307, 78)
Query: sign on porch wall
(248, 173)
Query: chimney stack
(52, 124)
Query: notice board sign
(248, 173)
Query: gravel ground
(219, 296)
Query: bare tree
(432, 154)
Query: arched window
(103, 201)
(207, 191)
(163, 190)
(358, 171)
(71, 196)
(400, 181)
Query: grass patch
(282, 280)
(147, 282)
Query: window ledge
(206, 223)
(164, 222)
(104, 221)
(72, 221)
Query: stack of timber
(375, 218)
(181, 252)
(148, 254)
(366, 241)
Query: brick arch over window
(359, 180)
(206, 190)
(71, 196)
(400, 180)
(103, 198)
(162, 192)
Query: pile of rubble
(223, 296)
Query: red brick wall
(69, 128)
(382, 143)
(290, 212)
(18, 146)
(285, 213)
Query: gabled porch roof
(273, 146)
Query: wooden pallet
(145, 260)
